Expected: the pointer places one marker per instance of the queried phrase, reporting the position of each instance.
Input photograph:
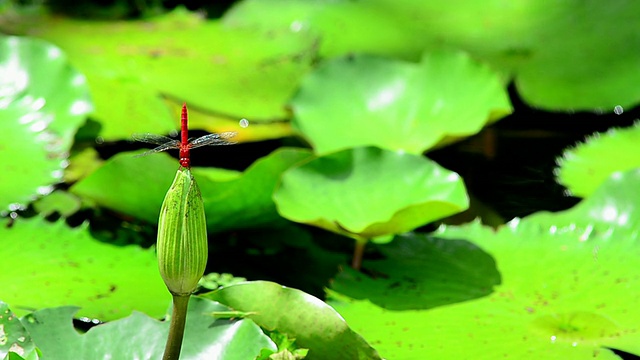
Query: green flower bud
(182, 235)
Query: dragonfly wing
(163, 147)
(214, 139)
(154, 139)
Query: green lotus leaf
(369, 192)
(14, 356)
(247, 201)
(613, 204)
(14, 338)
(232, 200)
(131, 65)
(81, 164)
(427, 272)
(568, 291)
(314, 324)
(369, 101)
(140, 337)
(572, 56)
(342, 26)
(217, 123)
(43, 101)
(60, 202)
(584, 168)
(49, 264)
(133, 186)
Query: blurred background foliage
(372, 123)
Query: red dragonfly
(184, 144)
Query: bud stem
(176, 327)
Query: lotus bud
(182, 235)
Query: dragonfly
(185, 144)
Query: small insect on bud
(182, 235)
